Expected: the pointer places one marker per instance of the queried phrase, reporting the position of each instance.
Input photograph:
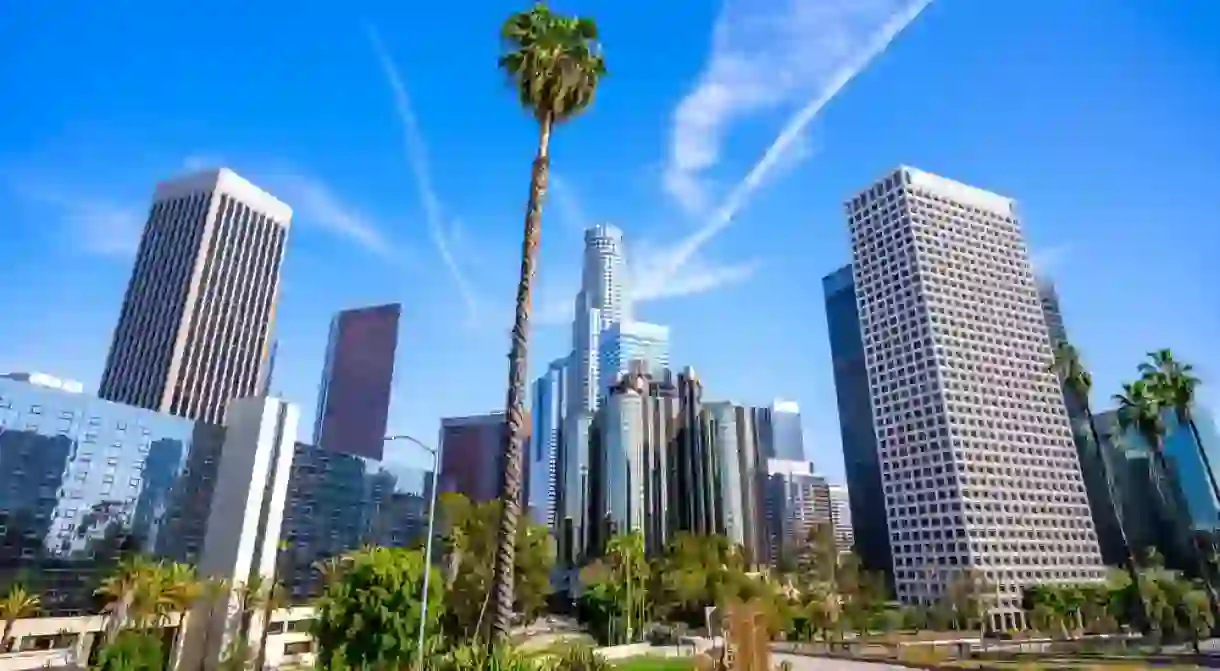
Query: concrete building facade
(977, 460)
(199, 310)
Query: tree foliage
(131, 650)
(369, 616)
(468, 543)
(16, 604)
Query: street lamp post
(436, 468)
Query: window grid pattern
(197, 315)
(978, 466)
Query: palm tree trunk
(506, 550)
(5, 644)
(1140, 617)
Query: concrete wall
(65, 642)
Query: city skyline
(361, 231)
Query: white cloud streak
(315, 203)
(417, 156)
(99, 226)
(651, 281)
(804, 49)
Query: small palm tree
(130, 594)
(1079, 382)
(554, 64)
(1175, 384)
(16, 604)
(1139, 408)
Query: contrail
(790, 133)
(417, 156)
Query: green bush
(131, 650)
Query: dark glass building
(354, 398)
(472, 450)
(1159, 510)
(339, 502)
(860, 459)
(83, 481)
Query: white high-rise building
(840, 517)
(603, 301)
(199, 311)
(978, 465)
(796, 499)
(624, 342)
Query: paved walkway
(801, 663)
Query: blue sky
(721, 142)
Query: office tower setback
(546, 437)
(840, 517)
(624, 342)
(199, 308)
(861, 462)
(354, 397)
(472, 459)
(796, 499)
(652, 463)
(976, 451)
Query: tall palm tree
(1174, 383)
(554, 64)
(1140, 408)
(1079, 382)
(16, 604)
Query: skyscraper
(782, 434)
(354, 397)
(861, 463)
(602, 301)
(840, 517)
(796, 499)
(652, 465)
(472, 460)
(199, 308)
(1048, 297)
(624, 342)
(546, 410)
(976, 452)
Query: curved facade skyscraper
(603, 301)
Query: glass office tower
(339, 502)
(83, 480)
(860, 460)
